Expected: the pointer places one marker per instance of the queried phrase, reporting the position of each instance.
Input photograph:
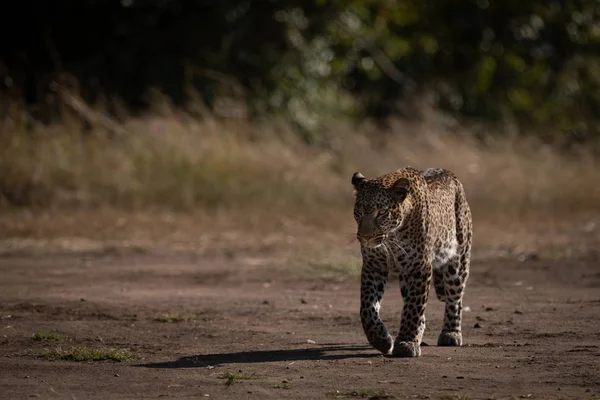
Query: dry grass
(515, 177)
(363, 394)
(86, 354)
(184, 164)
(175, 317)
(45, 336)
(231, 377)
(193, 177)
(165, 163)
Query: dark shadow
(326, 352)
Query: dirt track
(533, 331)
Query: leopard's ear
(357, 179)
(400, 189)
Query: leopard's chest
(402, 253)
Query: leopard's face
(378, 208)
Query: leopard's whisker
(403, 245)
(388, 255)
(399, 247)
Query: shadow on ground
(248, 357)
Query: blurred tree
(534, 62)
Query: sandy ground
(533, 330)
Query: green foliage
(533, 61)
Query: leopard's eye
(358, 213)
(381, 213)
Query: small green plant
(231, 377)
(39, 336)
(175, 317)
(283, 385)
(85, 354)
(364, 394)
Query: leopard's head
(379, 207)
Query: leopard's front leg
(414, 287)
(372, 287)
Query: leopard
(415, 224)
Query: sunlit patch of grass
(86, 354)
(283, 385)
(364, 394)
(331, 265)
(175, 317)
(231, 377)
(47, 336)
(182, 171)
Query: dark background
(533, 63)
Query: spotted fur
(416, 224)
